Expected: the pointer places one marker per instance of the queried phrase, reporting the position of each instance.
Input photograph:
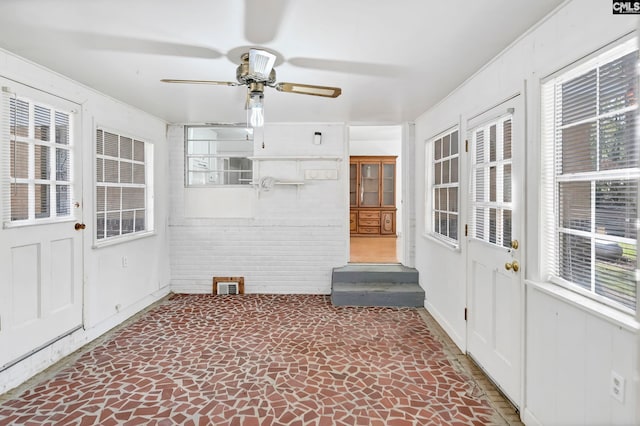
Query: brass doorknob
(513, 265)
(79, 226)
(515, 244)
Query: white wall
(285, 240)
(570, 349)
(111, 292)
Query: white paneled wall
(285, 240)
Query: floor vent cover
(228, 285)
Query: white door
(40, 247)
(494, 318)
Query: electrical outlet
(125, 261)
(617, 386)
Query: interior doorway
(375, 188)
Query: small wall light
(317, 138)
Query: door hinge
(466, 230)
(466, 145)
(465, 314)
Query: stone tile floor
(263, 360)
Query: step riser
(374, 277)
(377, 299)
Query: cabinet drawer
(368, 230)
(368, 215)
(369, 222)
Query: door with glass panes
(494, 245)
(41, 233)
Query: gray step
(374, 274)
(377, 294)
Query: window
(591, 147)
(123, 185)
(491, 201)
(218, 155)
(39, 163)
(444, 154)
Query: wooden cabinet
(372, 195)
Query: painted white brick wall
(293, 237)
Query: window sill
(122, 239)
(607, 313)
(446, 244)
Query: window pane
(100, 169)
(127, 222)
(480, 229)
(99, 142)
(126, 148)
(101, 198)
(615, 272)
(480, 158)
(111, 144)
(444, 199)
(140, 220)
(41, 162)
(493, 225)
(19, 160)
(126, 172)
(436, 223)
(453, 200)
(618, 146)
(138, 173)
(19, 201)
(100, 224)
(506, 228)
(575, 205)
(113, 198)
(575, 259)
(453, 226)
(133, 198)
(579, 98)
(506, 128)
(445, 171)
(506, 187)
(111, 171)
(454, 143)
(579, 148)
(618, 83)
(63, 200)
(42, 122)
(446, 146)
(62, 128)
(42, 201)
(113, 224)
(437, 173)
(437, 149)
(493, 184)
(138, 151)
(492, 143)
(480, 185)
(454, 170)
(616, 208)
(62, 164)
(19, 117)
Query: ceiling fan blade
(262, 19)
(308, 89)
(211, 82)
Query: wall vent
(228, 285)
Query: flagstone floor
(263, 360)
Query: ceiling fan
(256, 72)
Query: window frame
(225, 158)
(431, 187)
(31, 180)
(149, 215)
(551, 227)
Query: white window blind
(591, 174)
(444, 154)
(123, 189)
(491, 201)
(36, 162)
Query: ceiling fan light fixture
(261, 63)
(256, 109)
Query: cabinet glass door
(370, 185)
(353, 185)
(388, 184)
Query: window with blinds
(123, 187)
(491, 201)
(39, 152)
(445, 184)
(591, 176)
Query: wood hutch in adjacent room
(372, 195)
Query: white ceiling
(392, 59)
